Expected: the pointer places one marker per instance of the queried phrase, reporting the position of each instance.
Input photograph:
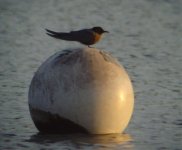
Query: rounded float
(81, 90)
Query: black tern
(85, 36)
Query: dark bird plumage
(85, 36)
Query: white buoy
(81, 90)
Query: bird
(85, 36)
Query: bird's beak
(106, 31)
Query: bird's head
(99, 30)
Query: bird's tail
(60, 35)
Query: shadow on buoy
(54, 123)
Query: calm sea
(145, 36)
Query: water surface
(146, 37)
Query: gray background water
(146, 37)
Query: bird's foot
(90, 46)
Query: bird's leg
(90, 46)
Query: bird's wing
(84, 36)
(51, 32)
(60, 35)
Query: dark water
(146, 37)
